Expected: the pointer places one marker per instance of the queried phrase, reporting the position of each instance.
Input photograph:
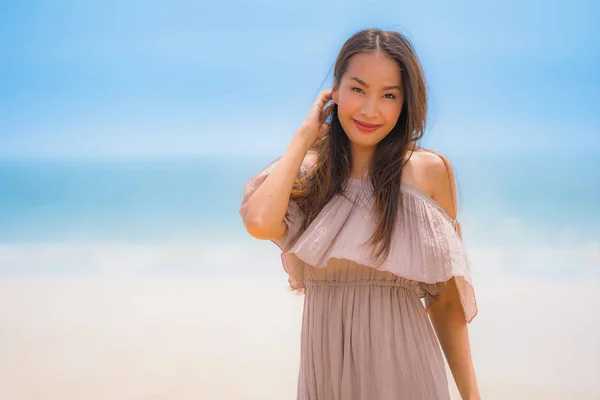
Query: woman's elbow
(263, 231)
(256, 230)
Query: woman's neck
(361, 157)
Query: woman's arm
(265, 210)
(449, 323)
(446, 313)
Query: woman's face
(370, 92)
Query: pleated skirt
(366, 336)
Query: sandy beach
(191, 337)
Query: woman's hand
(314, 126)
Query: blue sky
(179, 78)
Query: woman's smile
(365, 127)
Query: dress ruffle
(425, 247)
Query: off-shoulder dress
(365, 331)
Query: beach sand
(192, 337)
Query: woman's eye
(359, 90)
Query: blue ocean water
(140, 200)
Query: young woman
(366, 221)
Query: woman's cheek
(348, 104)
(391, 111)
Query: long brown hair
(333, 157)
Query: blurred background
(128, 129)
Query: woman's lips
(365, 127)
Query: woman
(366, 221)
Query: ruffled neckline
(365, 183)
(425, 247)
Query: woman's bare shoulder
(439, 179)
(421, 168)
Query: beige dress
(365, 331)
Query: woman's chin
(363, 139)
(363, 142)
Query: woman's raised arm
(264, 212)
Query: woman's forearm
(265, 210)
(451, 328)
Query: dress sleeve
(463, 283)
(293, 215)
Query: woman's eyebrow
(365, 85)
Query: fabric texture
(365, 332)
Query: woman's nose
(369, 108)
